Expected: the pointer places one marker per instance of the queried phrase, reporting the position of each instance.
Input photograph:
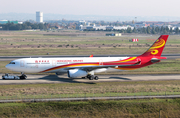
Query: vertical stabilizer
(157, 47)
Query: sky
(94, 7)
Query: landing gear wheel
(91, 77)
(96, 77)
(23, 76)
(88, 76)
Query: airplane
(86, 67)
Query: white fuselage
(59, 65)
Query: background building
(6, 21)
(39, 17)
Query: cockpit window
(12, 63)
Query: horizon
(107, 10)
(94, 7)
(52, 16)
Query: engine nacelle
(76, 73)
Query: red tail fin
(157, 47)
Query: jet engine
(76, 73)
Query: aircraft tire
(91, 77)
(25, 77)
(96, 77)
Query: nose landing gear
(23, 76)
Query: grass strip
(124, 108)
(103, 89)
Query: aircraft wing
(113, 65)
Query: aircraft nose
(8, 66)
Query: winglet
(91, 56)
(157, 47)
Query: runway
(44, 79)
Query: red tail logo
(157, 48)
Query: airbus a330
(77, 67)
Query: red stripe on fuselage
(130, 60)
(71, 65)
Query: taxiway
(42, 79)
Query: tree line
(143, 30)
(45, 26)
(152, 30)
(24, 26)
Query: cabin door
(53, 62)
(22, 63)
(100, 62)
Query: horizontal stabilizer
(157, 59)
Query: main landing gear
(91, 77)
